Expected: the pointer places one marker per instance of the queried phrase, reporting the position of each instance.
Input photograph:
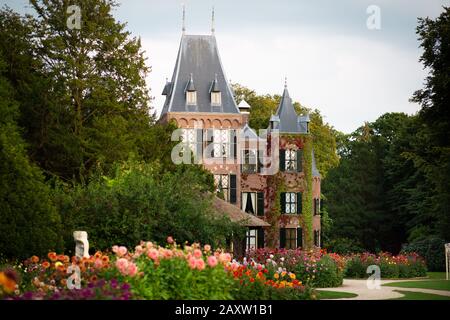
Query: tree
(433, 155)
(84, 101)
(30, 224)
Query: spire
(212, 21)
(183, 28)
(285, 82)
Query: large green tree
(29, 220)
(82, 91)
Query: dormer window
(216, 98)
(191, 97)
(191, 93)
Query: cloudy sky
(332, 60)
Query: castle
(286, 202)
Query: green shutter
(282, 159)
(282, 237)
(260, 203)
(260, 238)
(299, 203)
(299, 237)
(299, 160)
(282, 202)
(233, 197)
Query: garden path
(359, 287)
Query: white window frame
(290, 203)
(221, 143)
(224, 179)
(191, 97)
(251, 239)
(249, 160)
(290, 160)
(216, 98)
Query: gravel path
(360, 288)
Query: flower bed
(316, 268)
(401, 266)
(149, 272)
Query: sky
(332, 60)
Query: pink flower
(122, 251)
(98, 263)
(153, 254)
(207, 248)
(122, 265)
(224, 257)
(169, 240)
(192, 262)
(200, 264)
(115, 249)
(212, 261)
(132, 269)
(197, 253)
(168, 254)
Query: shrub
(391, 267)
(313, 268)
(431, 249)
(344, 246)
(138, 202)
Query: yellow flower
(58, 263)
(283, 273)
(276, 275)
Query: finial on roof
(212, 21)
(167, 80)
(183, 28)
(285, 82)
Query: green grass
(436, 275)
(422, 284)
(325, 294)
(408, 295)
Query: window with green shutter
(260, 205)
(299, 203)
(282, 160)
(299, 160)
(282, 238)
(282, 202)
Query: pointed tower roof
(287, 114)
(198, 55)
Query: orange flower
(105, 259)
(35, 259)
(60, 257)
(46, 264)
(52, 256)
(8, 284)
(93, 278)
(98, 255)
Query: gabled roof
(244, 105)
(288, 118)
(198, 55)
(248, 133)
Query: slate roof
(289, 120)
(248, 133)
(198, 55)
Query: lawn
(436, 275)
(408, 295)
(423, 284)
(325, 294)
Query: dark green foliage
(343, 246)
(29, 221)
(431, 249)
(138, 202)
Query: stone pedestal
(81, 244)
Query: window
(291, 203)
(252, 239)
(288, 238)
(316, 207)
(249, 160)
(317, 238)
(222, 183)
(191, 97)
(291, 160)
(221, 140)
(216, 99)
(190, 139)
(248, 201)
